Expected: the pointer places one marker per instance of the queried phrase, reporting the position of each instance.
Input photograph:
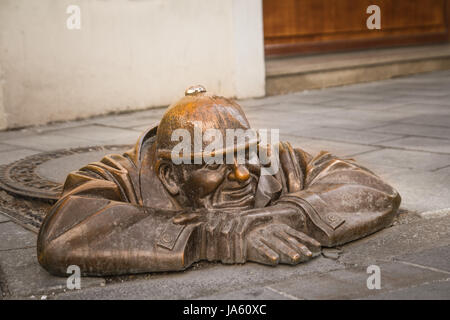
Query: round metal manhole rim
(21, 178)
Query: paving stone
(298, 110)
(442, 120)
(419, 143)
(257, 293)
(314, 146)
(282, 120)
(25, 277)
(210, 280)
(399, 240)
(128, 121)
(435, 213)
(444, 171)
(370, 115)
(426, 100)
(251, 104)
(144, 127)
(344, 123)
(11, 134)
(415, 130)
(436, 290)
(367, 94)
(100, 133)
(344, 135)
(13, 236)
(385, 172)
(365, 104)
(14, 155)
(6, 147)
(50, 141)
(313, 97)
(431, 92)
(271, 100)
(422, 191)
(3, 218)
(404, 159)
(352, 283)
(415, 109)
(438, 258)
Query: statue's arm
(75, 230)
(342, 200)
(269, 235)
(105, 237)
(99, 226)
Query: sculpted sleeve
(100, 225)
(342, 200)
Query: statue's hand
(278, 243)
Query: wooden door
(306, 26)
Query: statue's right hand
(278, 243)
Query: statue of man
(144, 212)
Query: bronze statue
(141, 212)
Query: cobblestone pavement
(399, 128)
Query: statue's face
(219, 186)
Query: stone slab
(365, 93)
(435, 213)
(426, 100)
(6, 147)
(314, 97)
(371, 115)
(415, 130)
(344, 123)
(404, 159)
(128, 120)
(344, 135)
(436, 290)
(3, 218)
(432, 119)
(423, 191)
(257, 293)
(417, 109)
(25, 277)
(13, 236)
(100, 134)
(420, 144)
(314, 146)
(7, 157)
(399, 240)
(438, 258)
(352, 283)
(12, 134)
(364, 104)
(50, 141)
(213, 279)
(299, 110)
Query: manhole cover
(35, 182)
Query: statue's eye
(213, 166)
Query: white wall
(128, 54)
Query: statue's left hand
(278, 243)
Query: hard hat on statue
(203, 118)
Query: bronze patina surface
(141, 212)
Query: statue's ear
(167, 176)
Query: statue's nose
(240, 173)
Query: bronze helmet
(212, 111)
